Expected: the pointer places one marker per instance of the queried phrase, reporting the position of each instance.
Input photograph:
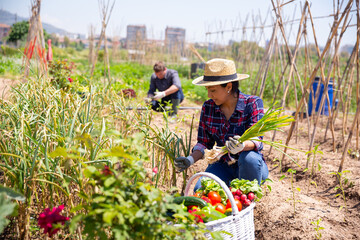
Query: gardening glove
(183, 163)
(147, 100)
(233, 145)
(159, 95)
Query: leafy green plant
(312, 172)
(293, 188)
(7, 207)
(317, 228)
(343, 182)
(353, 153)
(123, 204)
(60, 73)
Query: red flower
(155, 170)
(70, 80)
(106, 171)
(48, 218)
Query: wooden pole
(312, 76)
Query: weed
(317, 228)
(343, 182)
(293, 199)
(312, 172)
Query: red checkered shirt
(214, 127)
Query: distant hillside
(10, 18)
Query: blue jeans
(250, 166)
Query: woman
(225, 117)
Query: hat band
(220, 78)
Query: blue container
(325, 110)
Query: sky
(196, 16)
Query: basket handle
(219, 181)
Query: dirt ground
(5, 85)
(275, 216)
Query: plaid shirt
(214, 127)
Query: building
(135, 36)
(175, 40)
(4, 30)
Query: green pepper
(210, 213)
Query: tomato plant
(214, 197)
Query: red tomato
(237, 202)
(214, 197)
(206, 199)
(220, 207)
(197, 194)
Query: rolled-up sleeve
(176, 79)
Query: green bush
(122, 203)
(10, 52)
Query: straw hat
(219, 71)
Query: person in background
(165, 87)
(224, 118)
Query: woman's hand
(183, 163)
(233, 145)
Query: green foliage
(10, 66)
(122, 204)
(247, 186)
(293, 199)
(10, 52)
(130, 75)
(6, 209)
(183, 70)
(10, 193)
(313, 170)
(18, 31)
(343, 182)
(208, 185)
(194, 92)
(317, 228)
(60, 72)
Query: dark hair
(235, 87)
(159, 66)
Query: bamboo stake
(193, 49)
(339, 90)
(307, 66)
(349, 138)
(290, 56)
(312, 76)
(357, 70)
(105, 13)
(267, 56)
(326, 85)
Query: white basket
(239, 224)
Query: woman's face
(218, 93)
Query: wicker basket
(239, 224)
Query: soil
(5, 85)
(319, 207)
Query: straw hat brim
(200, 80)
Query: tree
(18, 31)
(66, 41)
